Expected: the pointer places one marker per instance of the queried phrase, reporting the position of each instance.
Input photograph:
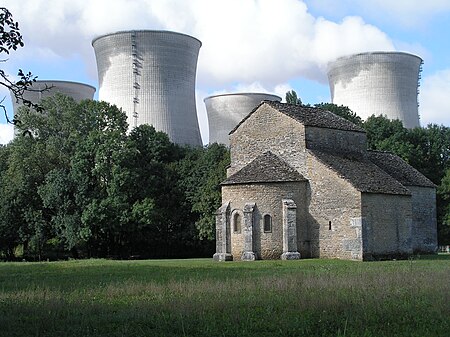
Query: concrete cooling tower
(378, 83)
(227, 110)
(43, 89)
(151, 76)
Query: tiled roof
(364, 175)
(399, 169)
(263, 169)
(309, 116)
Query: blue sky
(248, 45)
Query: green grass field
(203, 298)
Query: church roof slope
(309, 116)
(399, 169)
(264, 169)
(364, 175)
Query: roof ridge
(399, 169)
(265, 168)
(308, 116)
(361, 173)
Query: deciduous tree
(292, 98)
(202, 171)
(11, 39)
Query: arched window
(267, 223)
(237, 219)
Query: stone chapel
(302, 184)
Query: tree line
(81, 186)
(78, 185)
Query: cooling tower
(226, 111)
(43, 89)
(151, 76)
(378, 83)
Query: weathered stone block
(248, 256)
(290, 256)
(222, 257)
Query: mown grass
(203, 298)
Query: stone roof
(309, 116)
(264, 169)
(364, 175)
(399, 169)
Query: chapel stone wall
(267, 130)
(268, 199)
(387, 228)
(424, 222)
(335, 140)
(334, 214)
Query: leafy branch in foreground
(11, 39)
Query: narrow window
(267, 223)
(329, 225)
(237, 223)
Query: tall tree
(160, 217)
(100, 140)
(430, 150)
(9, 236)
(28, 163)
(85, 143)
(444, 209)
(202, 171)
(387, 135)
(292, 98)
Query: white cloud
(244, 41)
(282, 89)
(350, 36)
(251, 87)
(6, 133)
(434, 103)
(248, 45)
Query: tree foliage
(292, 98)
(202, 171)
(81, 186)
(444, 210)
(11, 39)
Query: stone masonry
(302, 184)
